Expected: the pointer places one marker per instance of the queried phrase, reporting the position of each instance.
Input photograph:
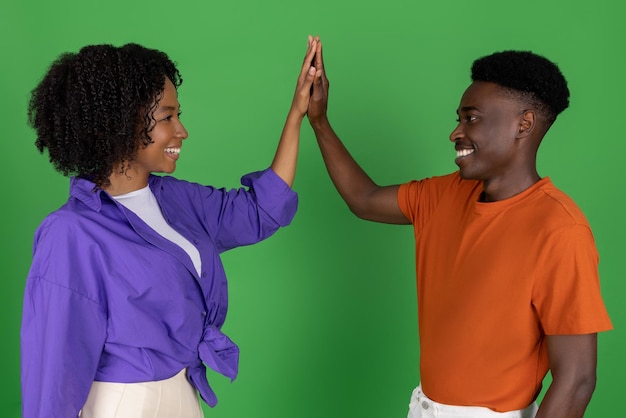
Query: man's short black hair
(535, 78)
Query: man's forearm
(566, 400)
(351, 181)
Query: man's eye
(468, 118)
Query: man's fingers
(319, 58)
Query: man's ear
(527, 123)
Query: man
(507, 272)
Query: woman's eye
(170, 117)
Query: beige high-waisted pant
(169, 398)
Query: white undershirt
(143, 203)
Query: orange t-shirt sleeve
(406, 203)
(566, 293)
(419, 198)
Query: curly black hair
(93, 109)
(533, 77)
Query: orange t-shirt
(493, 279)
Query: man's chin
(468, 175)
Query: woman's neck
(125, 181)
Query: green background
(325, 311)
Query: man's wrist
(320, 124)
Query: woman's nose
(182, 132)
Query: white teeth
(173, 150)
(463, 152)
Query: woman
(126, 294)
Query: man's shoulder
(555, 202)
(445, 181)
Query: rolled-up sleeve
(253, 213)
(272, 195)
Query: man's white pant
(423, 407)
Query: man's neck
(500, 189)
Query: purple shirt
(109, 299)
